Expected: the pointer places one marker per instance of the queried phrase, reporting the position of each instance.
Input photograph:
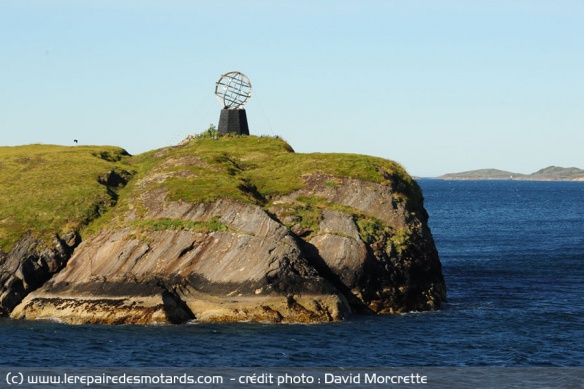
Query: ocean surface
(513, 259)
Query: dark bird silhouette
(75, 140)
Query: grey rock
(29, 265)
(265, 265)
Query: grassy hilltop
(49, 189)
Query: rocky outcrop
(379, 251)
(29, 265)
(333, 245)
(254, 270)
(253, 267)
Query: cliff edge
(234, 229)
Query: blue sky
(439, 86)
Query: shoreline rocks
(330, 247)
(29, 265)
(256, 269)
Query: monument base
(233, 121)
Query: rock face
(254, 270)
(26, 268)
(333, 246)
(379, 253)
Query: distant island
(551, 173)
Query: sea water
(513, 260)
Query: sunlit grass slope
(55, 189)
(253, 169)
(49, 189)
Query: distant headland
(550, 173)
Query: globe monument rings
(233, 89)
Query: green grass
(55, 189)
(373, 230)
(51, 189)
(212, 225)
(254, 169)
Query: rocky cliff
(242, 229)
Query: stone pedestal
(233, 121)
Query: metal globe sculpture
(233, 89)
